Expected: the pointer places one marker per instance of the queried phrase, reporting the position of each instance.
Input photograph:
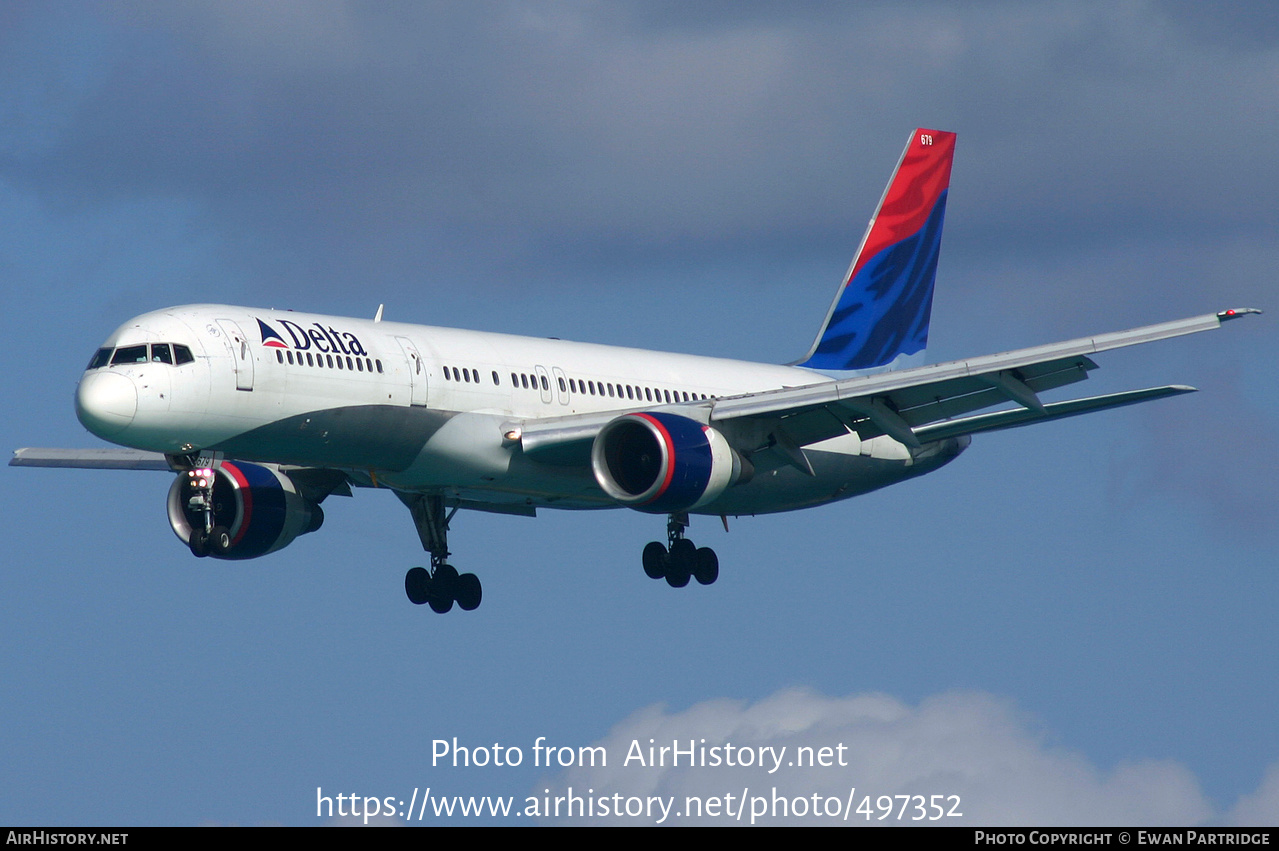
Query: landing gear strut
(206, 538)
(680, 559)
(441, 586)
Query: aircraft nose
(106, 403)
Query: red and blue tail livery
(882, 309)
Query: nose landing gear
(206, 538)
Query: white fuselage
(431, 409)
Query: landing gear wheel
(655, 560)
(443, 588)
(468, 592)
(683, 560)
(417, 585)
(199, 543)
(219, 541)
(706, 566)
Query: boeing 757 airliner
(263, 414)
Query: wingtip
(1236, 312)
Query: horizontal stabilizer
(1056, 411)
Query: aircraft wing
(316, 483)
(91, 459)
(910, 405)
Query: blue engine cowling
(661, 462)
(258, 505)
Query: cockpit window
(101, 358)
(171, 353)
(130, 354)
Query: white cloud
(969, 744)
(1261, 808)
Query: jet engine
(662, 463)
(239, 510)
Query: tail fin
(881, 311)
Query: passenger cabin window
(182, 354)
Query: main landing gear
(442, 585)
(681, 559)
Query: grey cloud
(1230, 479)
(387, 138)
(1249, 24)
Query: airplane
(264, 414)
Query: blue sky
(1072, 623)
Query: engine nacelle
(258, 506)
(662, 462)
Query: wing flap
(942, 405)
(1055, 411)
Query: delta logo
(270, 339)
(317, 337)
